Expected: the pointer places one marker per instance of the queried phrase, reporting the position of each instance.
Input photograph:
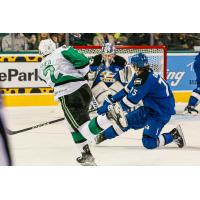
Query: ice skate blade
(181, 133)
(190, 114)
(88, 164)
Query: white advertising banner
(20, 74)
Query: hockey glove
(104, 108)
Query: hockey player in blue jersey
(158, 106)
(195, 97)
(108, 73)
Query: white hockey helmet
(46, 47)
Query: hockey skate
(116, 113)
(99, 139)
(190, 110)
(86, 159)
(178, 136)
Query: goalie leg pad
(100, 92)
(115, 87)
(126, 74)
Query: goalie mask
(108, 53)
(46, 47)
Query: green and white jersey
(64, 70)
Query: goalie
(109, 73)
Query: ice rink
(52, 145)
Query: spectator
(88, 38)
(182, 42)
(81, 39)
(120, 39)
(1, 37)
(61, 39)
(195, 37)
(14, 42)
(102, 38)
(166, 39)
(54, 37)
(33, 42)
(157, 39)
(43, 36)
(138, 38)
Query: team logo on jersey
(107, 76)
(138, 81)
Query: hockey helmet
(108, 48)
(139, 60)
(46, 47)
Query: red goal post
(157, 55)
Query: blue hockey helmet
(108, 48)
(139, 60)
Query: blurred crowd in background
(30, 41)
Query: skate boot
(116, 113)
(86, 159)
(190, 110)
(178, 136)
(99, 138)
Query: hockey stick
(33, 127)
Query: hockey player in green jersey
(65, 70)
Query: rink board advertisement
(180, 73)
(21, 85)
(20, 75)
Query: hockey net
(156, 55)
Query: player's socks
(77, 137)
(109, 133)
(165, 139)
(193, 101)
(92, 128)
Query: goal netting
(156, 55)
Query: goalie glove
(104, 108)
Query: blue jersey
(110, 74)
(152, 90)
(196, 67)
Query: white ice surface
(52, 145)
